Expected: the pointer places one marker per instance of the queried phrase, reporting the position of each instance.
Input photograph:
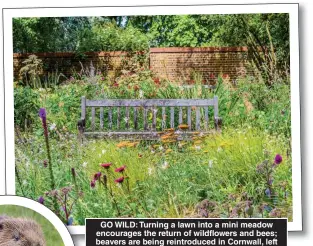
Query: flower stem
(19, 180)
(52, 181)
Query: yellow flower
(183, 126)
(168, 151)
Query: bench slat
(206, 117)
(110, 117)
(189, 117)
(135, 118)
(127, 117)
(154, 119)
(101, 117)
(197, 118)
(118, 120)
(149, 102)
(180, 119)
(163, 118)
(172, 117)
(93, 113)
(145, 123)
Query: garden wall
(173, 63)
(176, 63)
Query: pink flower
(225, 76)
(120, 169)
(106, 165)
(92, 184)
(119, 180)
(97, 176)
(278, 159)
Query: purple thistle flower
(42, 113)
(92, 184)
(97, 176)
(278, 159)
(41, 200)
(268, 192)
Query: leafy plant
(26, 104)
(31, 71)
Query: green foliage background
(44, 34)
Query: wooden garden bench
(147, 118)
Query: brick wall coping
(152, 50)
(69, 54)
(197, 49)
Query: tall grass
(164, 180)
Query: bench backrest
(184, 109)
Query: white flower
(150, 170)
(104, 151)
(161, 148)
(85, 164)
(210, 163)
(178, 132)
(219, 149)
(126, 119)
(197, 147)
(141, 94)
(52, 126)
(165, 165)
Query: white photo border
(292, 9)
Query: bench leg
(218, 123)
(81, 129)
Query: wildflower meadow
(244, 170)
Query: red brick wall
(67, 62)
(172, 63)
(177, 63)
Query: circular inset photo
(24, 222)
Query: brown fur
(20, 232)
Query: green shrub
(26, 105)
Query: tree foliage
(266, 35)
